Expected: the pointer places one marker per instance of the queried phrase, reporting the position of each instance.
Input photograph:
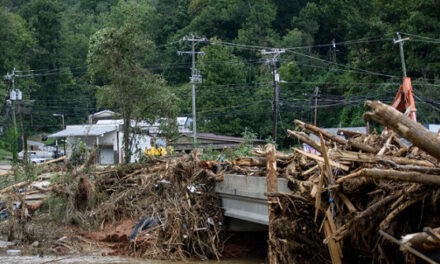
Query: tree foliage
(115, 59)
(53, 37)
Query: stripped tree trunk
(405, 127)
(272, 187)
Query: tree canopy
(345, 48)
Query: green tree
(115, 59)
(223, 90)
(258, 26)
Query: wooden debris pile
(176, 194)
(357, 185)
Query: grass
(3, 154)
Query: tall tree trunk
(126, 115)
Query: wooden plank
(332, 225)
(328, 169)
(320, 159)
(309, 171)
(318, 192)
(332, 247)
(272, 187)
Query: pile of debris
(180, 215)
(358, 186)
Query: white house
(108, 139)
(107, 135)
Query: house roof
(84, 130)
(219, 137)
(104, 113)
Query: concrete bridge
(244, 201)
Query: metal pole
(14, 143)
(14, 121)
(402, 56)
(194, 93)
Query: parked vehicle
(35, 159)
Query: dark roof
(219, 137)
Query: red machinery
(404, 100)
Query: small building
(107, 135)
(205, 140)
(101, 115)
(107, 138)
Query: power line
(422, 37)
(343, 65)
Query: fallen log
(402, 207)
(406, 176)
(401, 152)
(348, 134)
(250, 161)
(320, 159)
(316, 130)
(279, 155)
(35, 206)
(5, 173)
(429, 170)
(423, 241)
(359, 145)
(147, 170)
(369, 158)
(51, 161)
(413, 131)
(12, 187)
(306, 139)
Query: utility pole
(13, 97)
(195, 76)
(316, 94)
(400, 40)
(276, 79)
(23, 132)
(334, 54)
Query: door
(107, 156)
